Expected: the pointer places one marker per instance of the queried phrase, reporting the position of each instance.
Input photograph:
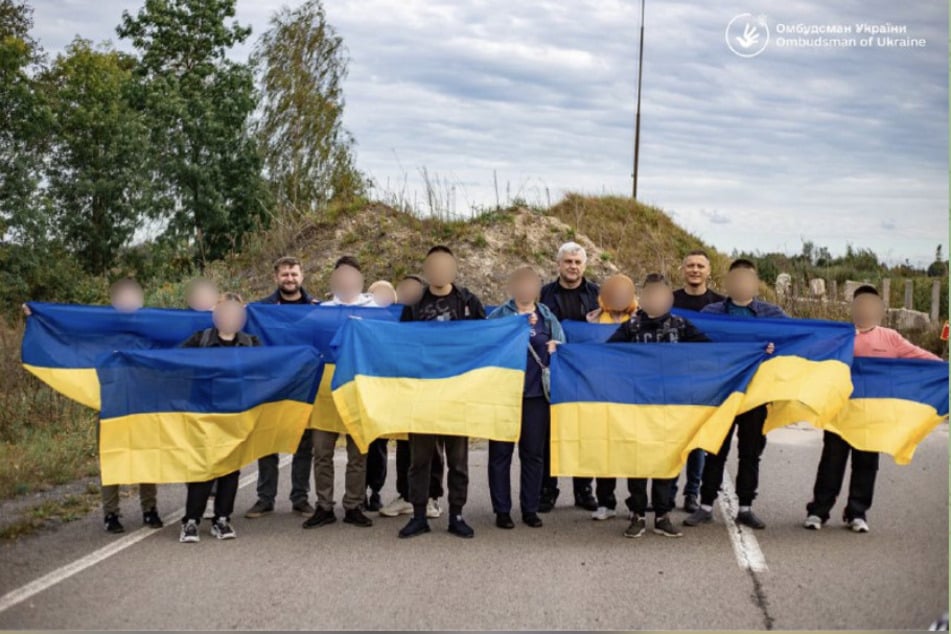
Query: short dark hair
(125, 284)
(742, 263)
(415, 278)
(865, 289)
(440, 248)
(347, 260)
(655, 278)
(696, 252)
(286, 261)
(231, 297)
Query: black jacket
(665, 329)
(275, 298)
(473, 306)
(208, 338)
(551, 297)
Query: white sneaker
(858, 525)
(813, 523)
(399, 506)
(603, 513)
(432, 508)
(189, 533)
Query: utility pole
(637, 116)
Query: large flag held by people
(315, 326)
(637, 410)
(62, 343)
(462, 378)
(186, 415)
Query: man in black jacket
(570, 297)
(442, 300)
(288, 276)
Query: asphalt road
(571, 574)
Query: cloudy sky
(834, 144)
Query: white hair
(570, 248)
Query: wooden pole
(909, 294)
(935, 300)
(887, 291)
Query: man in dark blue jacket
(289, 277)
(569, 297)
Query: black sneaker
(459, 528)
(321, 517)
(259, 509)
(637, 527)
(690, 503)
(698, 517)
(504, 520)
(548, 500)
(112, 523)
(151, 518)
(415, 526)
(586, 500)
(189, 533)
(303, 508)
(374, 503)
(221, 528)
(748, 518)
(663, 526)
(532, 519)
(357, 518)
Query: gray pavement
(571, 574)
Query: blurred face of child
(742, 284)
(346, 283)
(408, 292)
(382, 296)
(440, 269)
(202, 297)
(656, 299)
(525, 287)
(128, 299)
(618, 298)
(867, 311)
(229, 317)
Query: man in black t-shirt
(570, 297)
(694, 296)
(441, 301)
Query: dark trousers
(422, 448)
(751, 442)
(835, 453)
(376, 464)
(694, 474)
(402, 470)
(604, 491)
(199, 492)
(536, 418)
(268, 472)
(581, 486)
(661, 495)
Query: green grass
(51, 513)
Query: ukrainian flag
(314, 326)
(460, 378)
(62, 343)
(896, 403)
(637, 410)
(186, 415)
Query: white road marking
(50, 579)
(745, 547)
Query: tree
(308, 155)
(939, 267)
(98, 185)
(199, 103)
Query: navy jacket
(275, 298)
(758, 307)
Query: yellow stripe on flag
(816, 390)
(79, 384)
(887, 425)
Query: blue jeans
(694, 470)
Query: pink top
(885, 342)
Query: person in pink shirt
(871, 340)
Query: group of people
(642, 315)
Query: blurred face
(867, 311)
(571, 268)
(202, 297)
(383, 296)
(229, 317)
(525, 287)
(742, 284)
(696, 270)
(289, 279)
(346, 283)
(128, 299)
(408, 292)
(618, 298)
(440, 269)
(656, 299)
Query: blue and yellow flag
(313, 326)
(461, 378)
(637, 410)
(189, 415)
(62, 343)
(895, 404)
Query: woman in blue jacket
(546, 333)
